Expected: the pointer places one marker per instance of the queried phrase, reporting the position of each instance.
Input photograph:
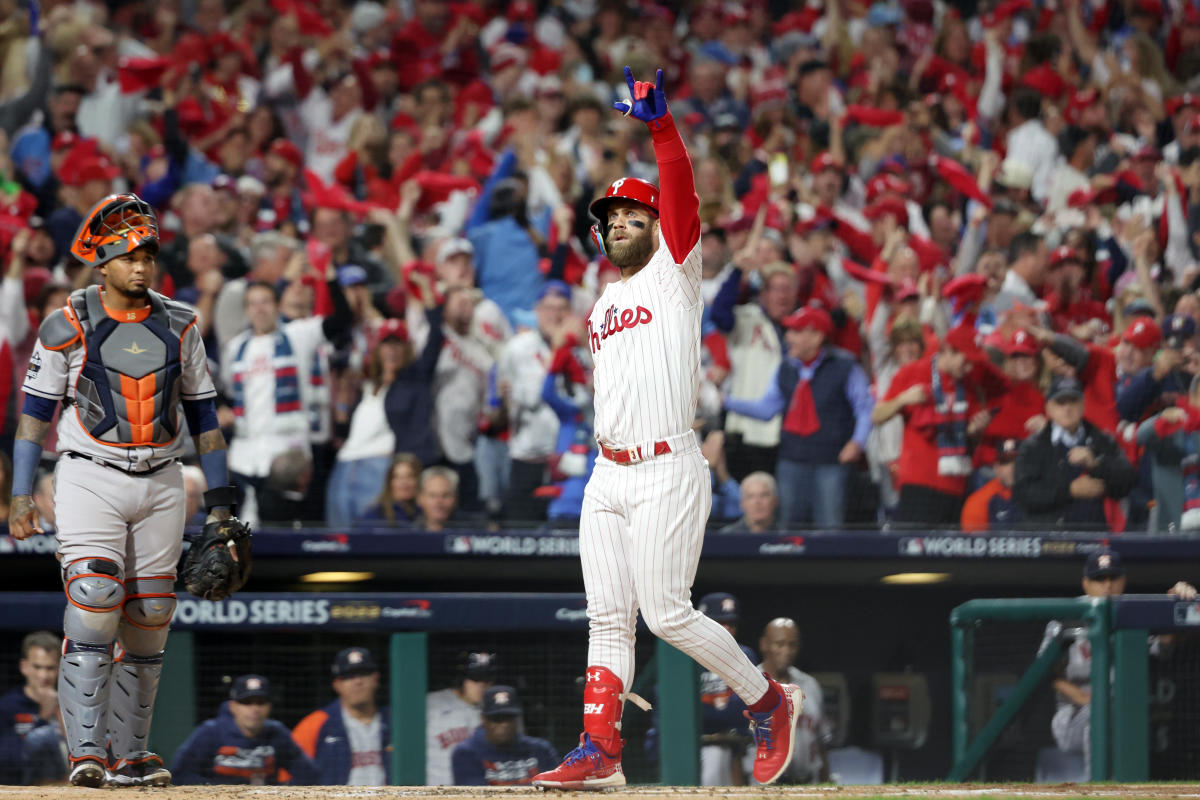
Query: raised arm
(679, 206)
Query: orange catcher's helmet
(116, 226)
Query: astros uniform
(449, 721)
(642, 522)
(123, 412)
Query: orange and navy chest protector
(127, 391)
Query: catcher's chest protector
(127, 393)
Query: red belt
(633, 455)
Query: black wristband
(220, 496)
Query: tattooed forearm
(32, 429)
(209, 441)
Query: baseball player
(123, 360)
(645, 506)
(452, 714)
(498, 753)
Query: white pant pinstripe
(640, 534)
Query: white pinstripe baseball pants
(641, 529)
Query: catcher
(124, 361)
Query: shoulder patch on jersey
(57, 330)
(35, 366)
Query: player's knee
(94, 584)
(149, 602)
(667, 622)
(150, 613)
(95, 593)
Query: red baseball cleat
(587, 767)
(774, 733)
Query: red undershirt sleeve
(679, 206)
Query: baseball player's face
(1105, 586)
(780, 645)
(357, 690)
(130, 275)
(40, 668)
(472, 691)
(500, 730)
(251, 715)
(632, 232)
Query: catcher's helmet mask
(625, 190)
(115, 227)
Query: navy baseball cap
(353, 661)
(554, 287)
(480, 667)
(1065, 389)
(1177, 329)
(1103, 563)
(721, 606)
(500, 701)
(250, 687)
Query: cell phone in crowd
(778, 170)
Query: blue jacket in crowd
(476, 762)
(218, 752)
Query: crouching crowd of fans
(945, 251)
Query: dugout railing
(293, 636)
(1118, 633)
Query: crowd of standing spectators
(949, 247)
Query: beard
(635, 251)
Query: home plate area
(1065, 791)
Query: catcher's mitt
(218, 562)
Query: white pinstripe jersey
(644, 334)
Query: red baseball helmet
(635, 189)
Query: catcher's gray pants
(119, 540)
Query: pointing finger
(658, 81)
(629, 80)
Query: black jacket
(1042, 485)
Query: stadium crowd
(950, 248)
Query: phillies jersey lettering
(617, 320)
(647, 380)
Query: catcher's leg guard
(94, 594)
(149, 606)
